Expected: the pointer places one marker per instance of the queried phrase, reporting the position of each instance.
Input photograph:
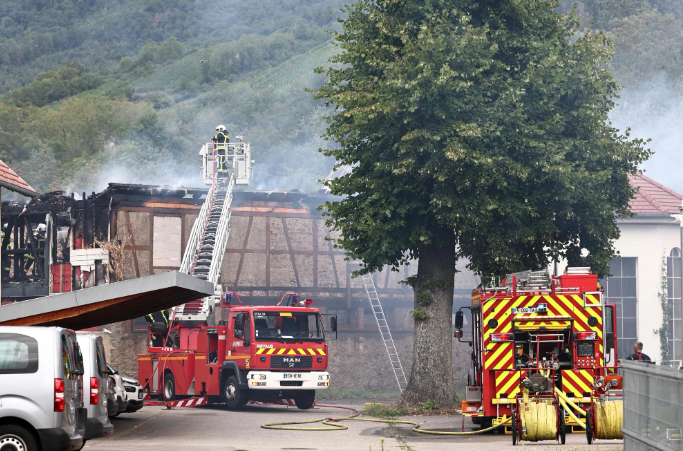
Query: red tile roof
(10, 180)
(651, 197)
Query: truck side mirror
(459, 320)
(457, 333)
(333, 323)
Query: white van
(40, 396)
(95, 386)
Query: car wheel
(169, 387)
(17, 438)
(234, 397)
(305, 400)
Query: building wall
(651, 244)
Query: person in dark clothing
(638, 354)
(220, 142)
(158, 317)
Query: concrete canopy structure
(106, 304)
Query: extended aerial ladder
(223, 167)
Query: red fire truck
(257, 353)
(541, 335)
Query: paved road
(213, 428)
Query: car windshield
(285, 326)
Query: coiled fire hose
(539, 419)
(332, 424)
(609, 419)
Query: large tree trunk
(431, 377)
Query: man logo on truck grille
(291, 360)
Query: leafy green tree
(70, 79)
(79, 127)
(475, 129)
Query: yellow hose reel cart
(539, 414)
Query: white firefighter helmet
(220, 128)
(41, 228)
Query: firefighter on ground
(39, 236)
(158, 317)
(638, 354)
(220, 142)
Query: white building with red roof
(649, 267)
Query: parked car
(118, 390)
(134, 394)
(128, 392)
(40, 397)
(96, 386)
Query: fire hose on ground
(332, 424)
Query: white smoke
(655, 110)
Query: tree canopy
(481, 124)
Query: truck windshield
(283, 326)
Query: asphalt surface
(214, 428)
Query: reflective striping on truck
(577, 382)
(507, 383)
(291, 351)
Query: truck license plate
(524, 310)
(542, 308)
(292, 376)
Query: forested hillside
(93, 91)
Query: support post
(47, 250)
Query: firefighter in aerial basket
(220, 146)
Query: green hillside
(97, 91)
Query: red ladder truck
(216, 349)
(254, 353)
(549, 336)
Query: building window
(673, 274)
(620, 289)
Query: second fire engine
(544, 354)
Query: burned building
(278, 243)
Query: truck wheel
(234, 397)
(169, 387)
(305, 400)
(14, 437)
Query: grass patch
(383, 411)
(357, 393)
